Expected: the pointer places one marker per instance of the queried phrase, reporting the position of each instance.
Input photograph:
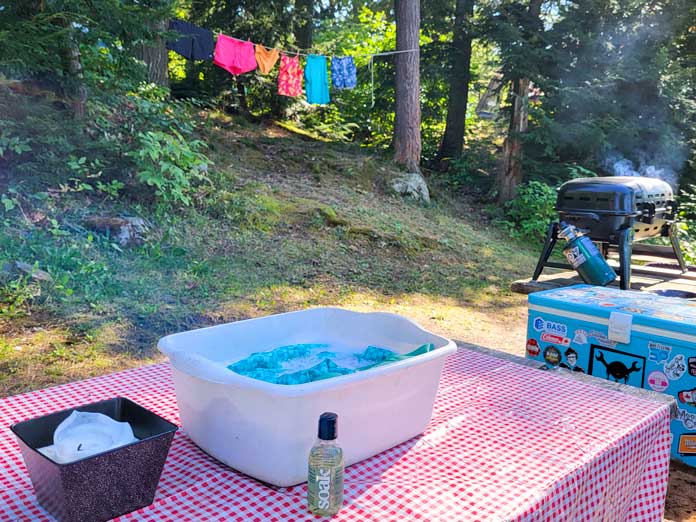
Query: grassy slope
(312, 227)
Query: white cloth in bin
(83, 434)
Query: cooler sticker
(658, 381)
(553, 338)
(687, 397)
(692, 366)
(542, 325)
(668, 316)
(552, 356)
(602, 338)
(687, 419)
(533, 347)
(580, 337)
(687, 444)
(571, 293)
(659, 353)
(603, 294)
(632, 309)
(676, 367)
(571, 362)
(617, 366)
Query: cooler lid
(649, 310)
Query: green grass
(291, 223)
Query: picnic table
(507, 442)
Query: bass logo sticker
(687, 444)
(676, 367)
(659, 353)
(542, 325)
(658, 381)
(533, 348)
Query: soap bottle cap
(328, 426)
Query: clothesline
(239, 56)
(370, 65)
(288, 51)
(372, 69)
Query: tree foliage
(611, 75)
(611, 78)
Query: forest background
(142, 194)
(99, 122)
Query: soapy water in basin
(303, 363)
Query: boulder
(411, 185)
(126, 230)
(20, 268)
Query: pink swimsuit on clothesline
(235, 56)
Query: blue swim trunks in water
(316, 79)
(343, 73)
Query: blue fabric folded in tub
(303, 363)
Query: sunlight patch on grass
(496, 323)
(40, 357)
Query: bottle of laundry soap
(325, 483)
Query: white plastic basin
(266, 430)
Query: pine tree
(407, 118)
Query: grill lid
(615, 195)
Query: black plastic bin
(102, 486)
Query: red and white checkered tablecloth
(506, 443)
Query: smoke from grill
(616, 164)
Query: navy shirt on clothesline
(196, 43)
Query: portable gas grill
(615, 211)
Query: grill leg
(551, 238)
(674, 238)
(625, 250)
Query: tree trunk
(510, 173)
(156, 57)
(510, 169)
(75, 89)
(407, 118)
(453, 139)
(304, 30)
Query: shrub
(687, 226)
(12, 144)
(528, 215)
(171, 164)
(16, 295)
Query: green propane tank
(585, 257)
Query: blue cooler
(634, 338)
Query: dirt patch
(681, 494)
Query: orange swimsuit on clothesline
(266, 58)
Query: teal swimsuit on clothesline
(316, 79)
